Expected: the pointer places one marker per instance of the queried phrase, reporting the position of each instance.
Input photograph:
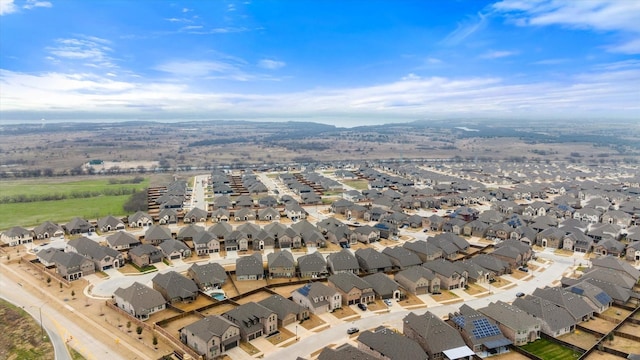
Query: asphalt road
(61, 325)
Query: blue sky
(339, 62)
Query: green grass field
(357, 184)
(548, 350)
(35, 213)
(31, 187)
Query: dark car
(352, 330)
(523, 269)
(520, 294)
(362, 306)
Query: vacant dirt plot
(600, 325)
(581, 339)
(312, 322)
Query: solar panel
(603, 298)
(577, 290)
(483, 328)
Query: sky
(344, 63)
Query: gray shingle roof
(509, 315)
(348, 281)
(554, 316)
(437, 334)
(393, 345)
(142, 298)
(250, 265)
(209, 327)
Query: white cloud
(465, 29)
(271, 64)
(90, 50)
(35, 3)
(498, 54)
(433, 61)
(584, 14)
(608, 90)
(7, 7)
(631, 47)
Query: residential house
(211, 336)
(353, 289)
(250, 267)
(516, 325)
(384, 287)
(402, 258)
(175, 287)
(110, 223)
(207, 276)
(418, 280)
(15, 236)
(195, 215)
(205, 243)
(189, 232)
(103, 257)
(47, 230)
(174, 250)
(494, 265)
(281, 264)
(598, 299)
(139, 301)
(450, 275)
(344, 351)
(145, 255)
(424, 250)
(480, 333)
(287, 311)
(384, 343)
(371, 261)
(342, 261)
(73, 266)
(633, 251)
(156, 234)
(556, 320)
(318, 298)
(437, 338)
(244, 214)
(254, 320)
(122, 240)
(167, 216)
(78, 226)
(366, 234)
(610, 247)
(312, 266)
(268, 214)
(139, 219)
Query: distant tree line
(137, 202)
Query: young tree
(129, 325)
(139, 330)
(49, 280)
(73, 294)
(155, 340)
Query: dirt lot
(627, 345)
(581, 339)
(445, 296)
(218, 310)
(601, 355)
(261, 295)
(600, 325)
(617, 313)
(475, 289)
(173, 326)
(411, 300)
(244, 286)
(312, 322)
(509, 356)
(285, 291)
(200, 302)
(343, 312)
(630, 328)
(517, 274)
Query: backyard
(548, 350)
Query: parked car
(523, 269)
(520, 294)
(362, 306)
(352, 330)
(387, 302)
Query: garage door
(230, 345)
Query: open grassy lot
(35, 213)
(87, 198)
(357, 184)
(21, 335)
(548, 350)
(45, 186)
